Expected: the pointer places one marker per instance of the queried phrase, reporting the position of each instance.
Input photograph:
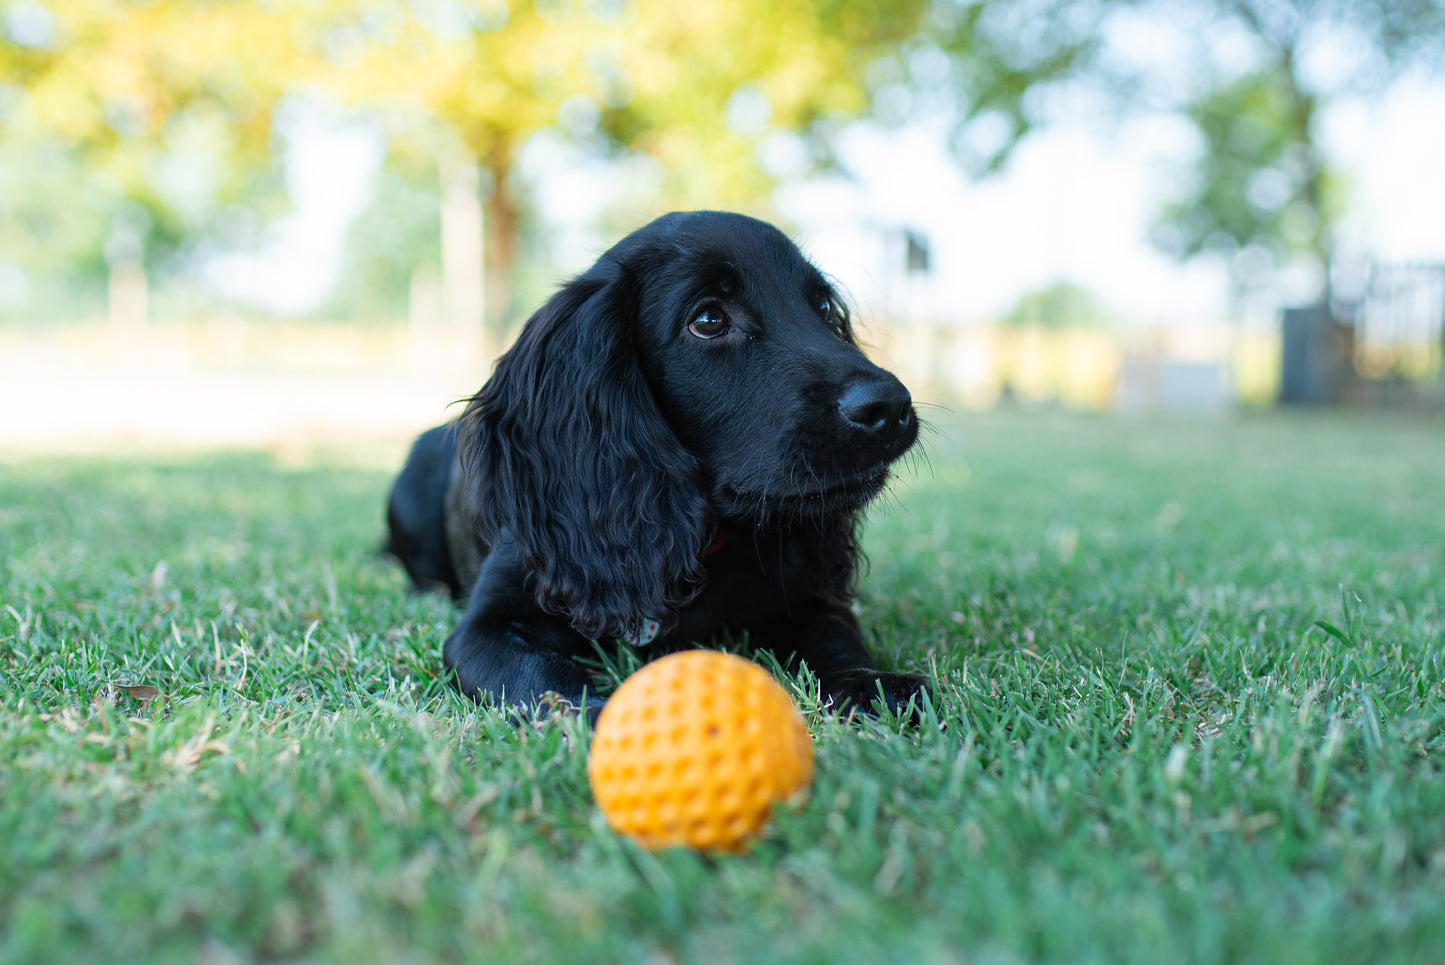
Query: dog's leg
(501, 665)
(831, 644)
(507, 650)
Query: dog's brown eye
(825, 307)
(709, 323)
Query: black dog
(678, 444)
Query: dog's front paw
(867, 691)
(551, 702)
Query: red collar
(717, 543)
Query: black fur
(416, 518)
(684, 435)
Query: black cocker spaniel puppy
(679, 444)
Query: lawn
(1189, 708)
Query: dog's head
(748, 352)
(702, 373)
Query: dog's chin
(807, 502)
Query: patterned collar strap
(644, 634)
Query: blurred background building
(242, 221)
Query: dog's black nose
(879, 407)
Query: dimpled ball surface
(694, 749)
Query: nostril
(877, 408)
(872, 417)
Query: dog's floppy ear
(566, 453)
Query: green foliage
(707, 82)
(1254, 181)
(695, 86)
(1060, 305)
(1190, 709)
(170, 104)
(159, 104)
(1000, 55)
(49, 252)
(1263, 190)
(398, 232)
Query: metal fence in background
(1380, 341)
(1399, 331)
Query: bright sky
(1074, 203)
(330, 167)
(1397, 150)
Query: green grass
(1190, 709)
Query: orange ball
(695, 749)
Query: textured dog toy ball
(695, 749)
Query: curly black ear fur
(566, 453)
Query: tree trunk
(1312, 194)
(128, 310)
(504, 251)
(463, 268)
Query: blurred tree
(168, 104)
(696, 86)
(398, 232)
(995, 60)
(160, 112)
(705, 84)
(1263, 191)
(1062, 304)
(50, 254)
(1254, 86)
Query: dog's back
(416, 512)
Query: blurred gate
(1400, 330)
